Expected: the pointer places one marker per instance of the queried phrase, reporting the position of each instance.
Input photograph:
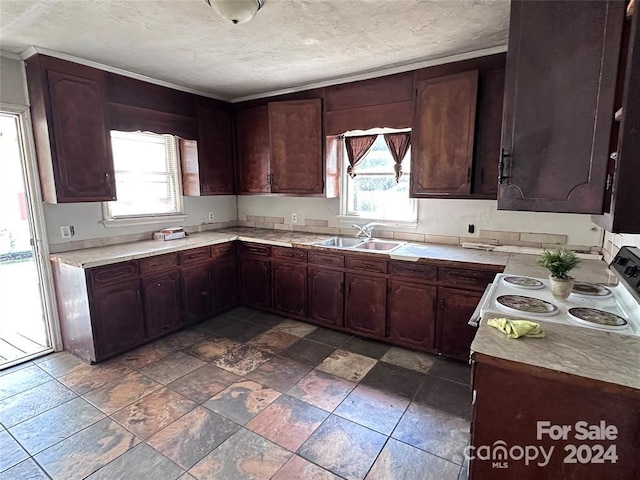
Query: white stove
(606, 308)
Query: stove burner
(598, 318)
(585, 289)
(528, 305)
(524, 282)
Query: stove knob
(634, 271)
(622, 261)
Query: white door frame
(38, 225)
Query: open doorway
(24, 307)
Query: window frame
(348, 216)
(110, 220)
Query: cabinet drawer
(472, 278)
(412, 270)
(158, 262)
(370, 265)
(326, 259)
(255, 249)
(295, 254)
(222, 249)
(111, 274)
(194, 255)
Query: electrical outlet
(294, 218)
(212, 216)
(67, 231)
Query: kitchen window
(377, 188)
(147, 176)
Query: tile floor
(245, 395)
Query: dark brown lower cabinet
(454, 334)
(366, 304)
(224, 277)
(196, 292)
(326, 296)
(255, 278)
(162, 302)
(117, 314)
(290, 288)
(412, 314)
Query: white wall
(437, 217)
(13, 85)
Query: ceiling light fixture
(236, 11)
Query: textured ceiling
(288, 44)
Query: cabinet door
(224, 277)
(326, 296)
(255, 277)
(81, 149)
(559, 96)
(196, 292)
(252, 150)
(443, 135)
(366, 304)
(412, 314)
(215, 155)
(454, 334)
(295, 130)
(162, 302)
(117, 317)
(290, 288)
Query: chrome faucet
(366, 230)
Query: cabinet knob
(159, 285)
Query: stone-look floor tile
(307, 351)
(172, 367)
(58, 365)
(373, 409)
(23, 379)
(242, 401)
(141, 462)
(297, 468)
(242, 313)
(399, 461)
(26, 470)
(53, 426)
(215, 324)
(212, 348)
(122, 392)
(187, 440)
(347, 365)
(88, 377)
(279, 373)
(85, 452)
(145, 355)
(184, 339)
(30, 403)
(273, 341)
(294, 327)
(20, 366)
(242, 331)
(187, 476)
(322, 390)
(452, 370)
(12, 452)
(287, 422)
(393, 379)
(343, 447)
(368, 348)
(153, 412)
(329, 337)
(434, 431)
(451, 397)
(245, 456)
(203, 383)
(242, 360)
(402, 357)
(267, 319)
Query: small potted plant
(560, 262)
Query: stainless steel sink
(340, 242)
(360, 244)
(378, 245)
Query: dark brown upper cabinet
(71, 132)
(208, 170)
(279, 148)
(295, 131)
(559, 101)
(443, 135)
